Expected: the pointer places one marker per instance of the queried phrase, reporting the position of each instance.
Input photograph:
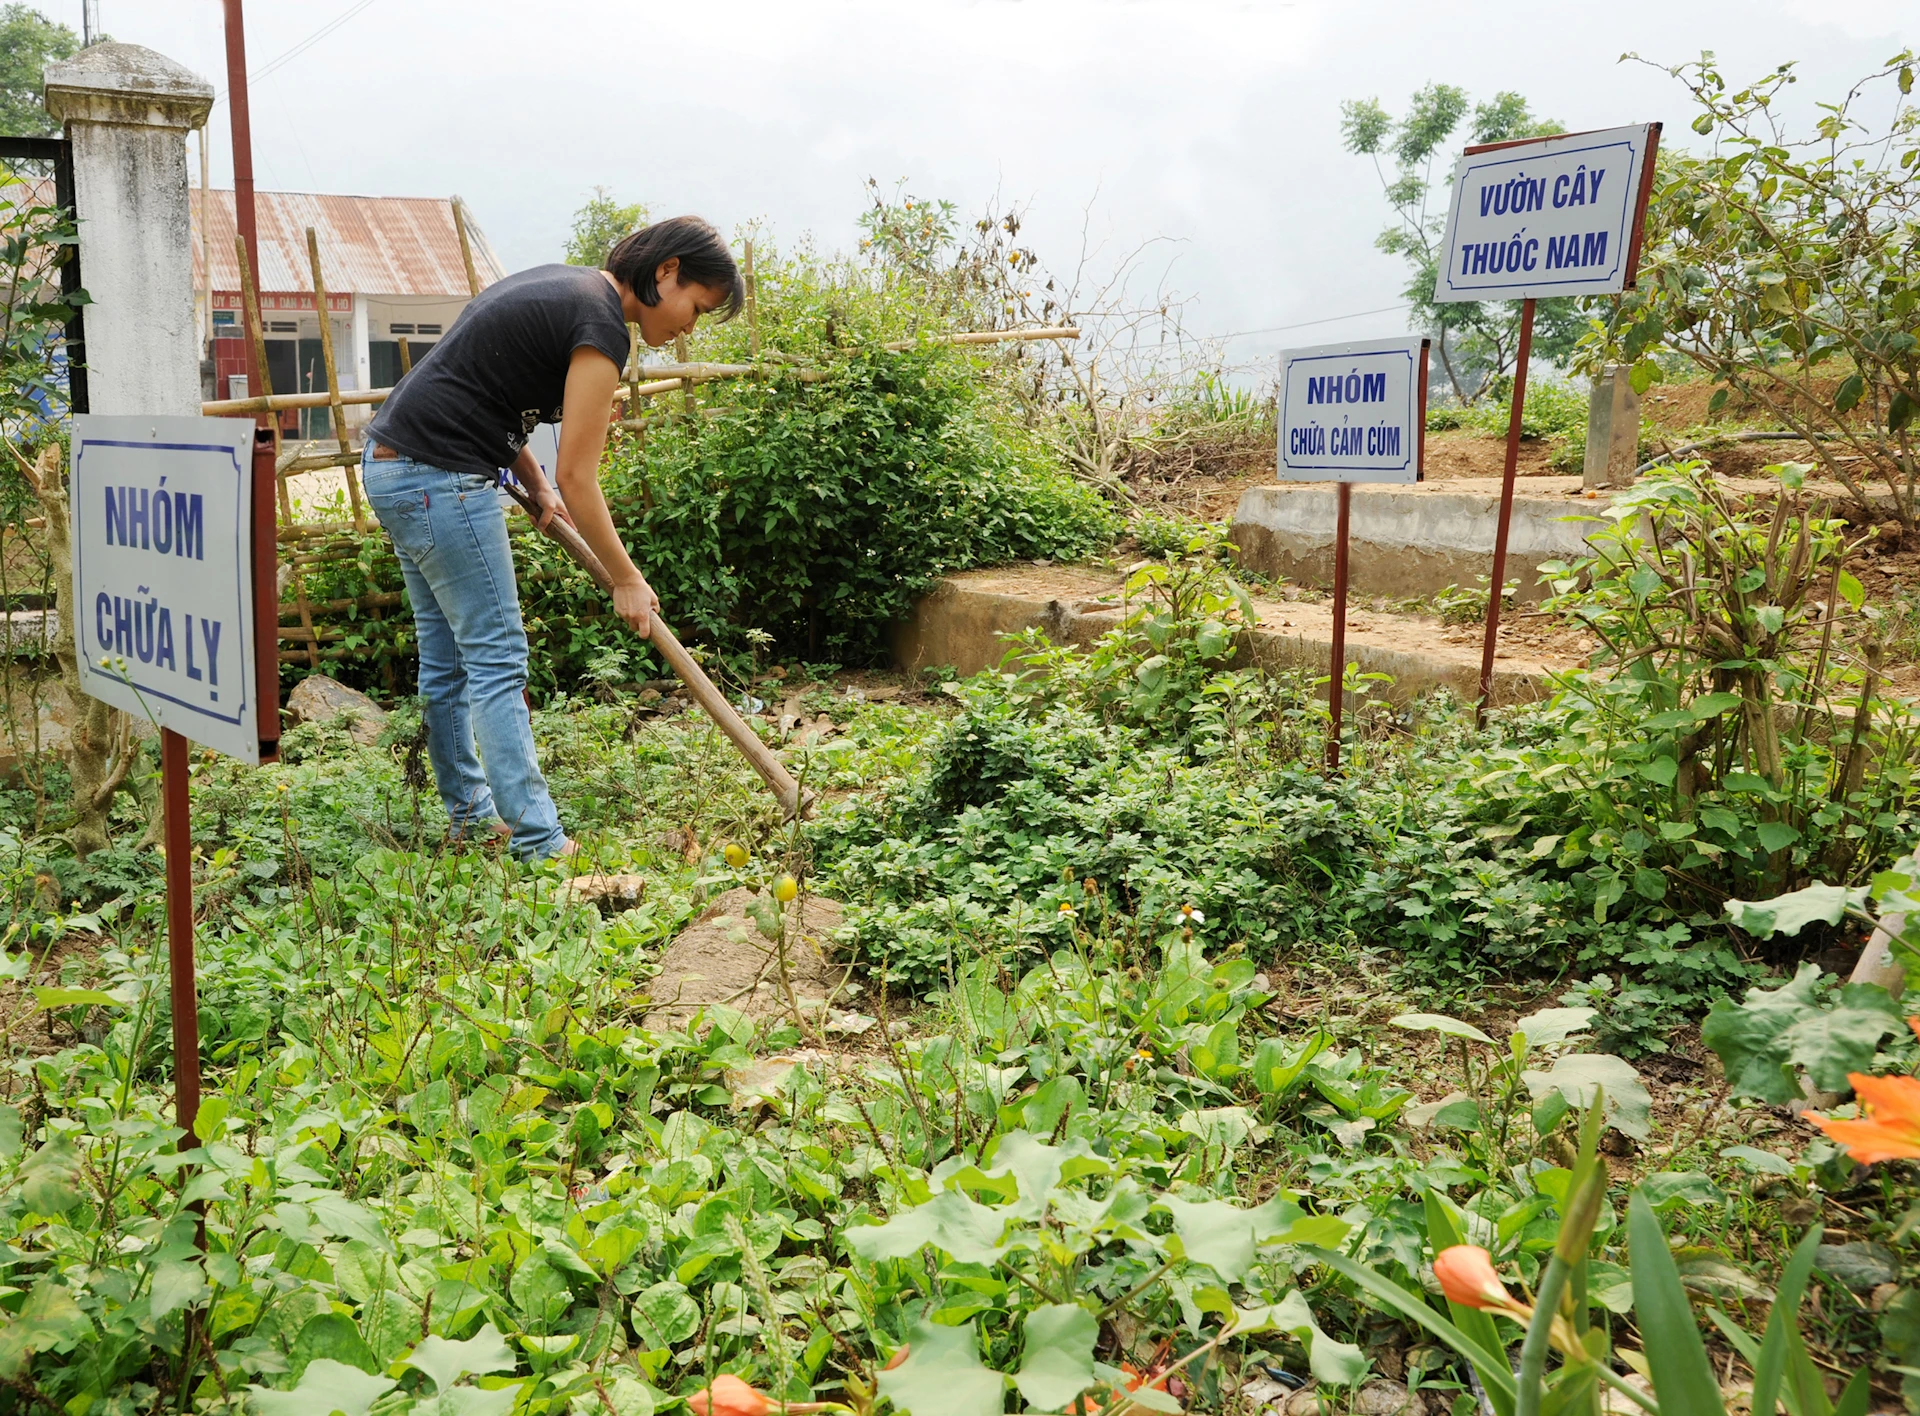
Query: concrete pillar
(128, 112)
(361, 364)
(1613, 430)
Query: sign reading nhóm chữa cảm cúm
(1353, 412)
(162, 573)
(1546, 216)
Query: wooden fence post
(336, 409)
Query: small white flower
(1192, 915)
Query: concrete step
(962, 623)
(1413, 540)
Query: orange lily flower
(1467, 1277)
(729, 1396)
(1889, 1124)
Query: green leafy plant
(1774, 253)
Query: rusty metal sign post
(1533, 219)
(1349, 413)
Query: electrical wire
(1303, 324)
(303, 46)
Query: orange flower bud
(1466, 1276)
(729, 1396)
(899, 1356)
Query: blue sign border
(1628, 200)
(239, 559)
(1413, 400)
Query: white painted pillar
(128, 111)
(362, 343)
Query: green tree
(1475, 343)
(1784, 264)
(28, 42)
(599, 224)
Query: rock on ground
(609, 894)
(723, 958)
(319, 699)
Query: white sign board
(1353, 412)
(1552, 216)
(162, 573)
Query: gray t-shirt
(469, 405)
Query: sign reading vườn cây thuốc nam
(162, 573)
(1546, 217)
(1352, 412)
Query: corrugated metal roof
(368, 245)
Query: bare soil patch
(723, 958)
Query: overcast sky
(1212, 123)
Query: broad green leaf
(1766, 1162)
(1776, 835)
(360, 1270)
(335, 1337)
(348, 1219)
(1440, 1023)
(446, 1362)
(538, 1292)
(1677, 1363)
(1056, 1364)
(1629, 1107)
(1214, 1233)
(209, 1122)
(1034, 1166)
(1281, 1221)
(969, 1232)
(1763, 1037)
(1845, 1037)
(1552, 1026)
(1276, 1067)
(49, 1321)
(665, 1315)
(72, 997)
(1851, 590)
(1848, 394)
(479, 1401)
(943, 1375)
(1712, 705)
(47, 1178)
(176, 1284)
(1670, 1188)
(1861, 1265)
(326, 1387)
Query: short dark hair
(703, 254)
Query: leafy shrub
(1554, 409)
(818, 512)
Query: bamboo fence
(307, 547)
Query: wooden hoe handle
(704, 690)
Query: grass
(435, 1110)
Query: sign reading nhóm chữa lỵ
(162, 573)
(1546, 217)
(1352, 412)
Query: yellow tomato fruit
(736, 854)
(785, 889)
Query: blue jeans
(450, 531)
